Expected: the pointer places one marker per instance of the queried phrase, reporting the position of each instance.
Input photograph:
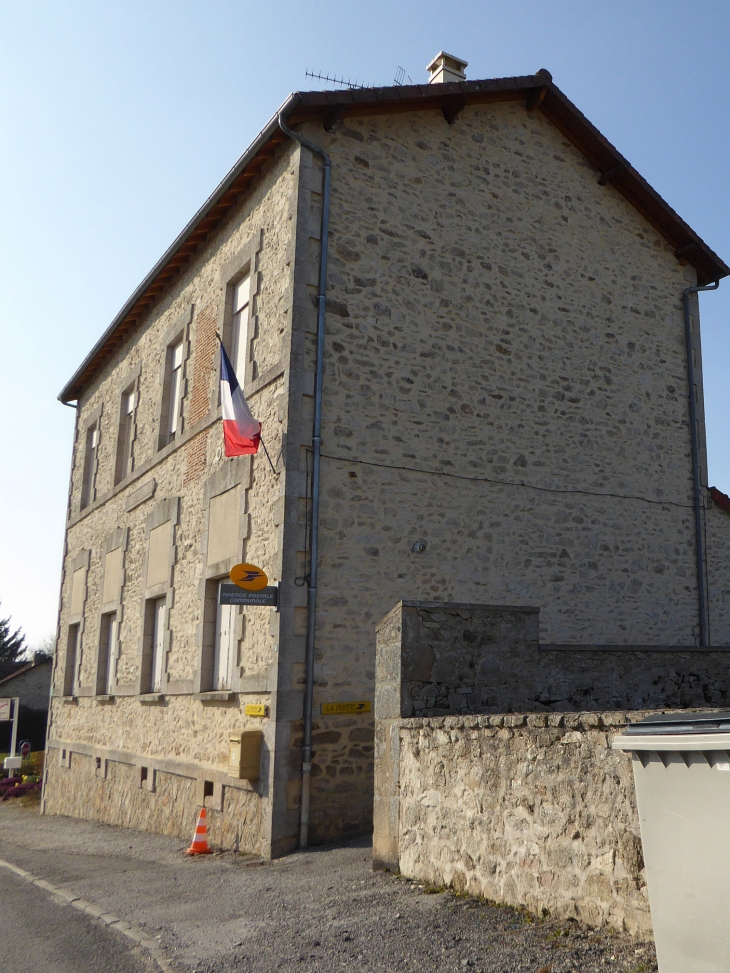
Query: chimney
(445, 68)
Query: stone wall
(177, 484)
(530, 810)
(342, 775)
(718, 570)
(450, 658)
(475, 789)
(109, 788)
(505, 380)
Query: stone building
(504, 421)
(30, 681)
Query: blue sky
(118, 120)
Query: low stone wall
(493, 767)
(530, 810)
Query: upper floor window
(172, 394)
(239, 330)
(125, 440)
(70, 674)
(176, 358)
(88, 482)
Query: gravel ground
(319, 911)
(383, 923)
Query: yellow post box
(244, 754)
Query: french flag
(241, 432)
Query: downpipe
(696, 484)
(316, 461)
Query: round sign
(248, 577)
(25, 748)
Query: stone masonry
(535, 811)
(180, 735)
(476, 790)
(504, 382)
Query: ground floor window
(107, 654)
(223, 649)
(153, 662)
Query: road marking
(137, 935)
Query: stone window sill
(150, 699)
(70, 700)
(105, 699)
(221, 696)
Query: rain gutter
(696, 482)
(316, 461)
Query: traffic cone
(200, 838)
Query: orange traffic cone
(200, 838)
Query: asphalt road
(41, 935)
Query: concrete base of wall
(99, 789)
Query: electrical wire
(512, 483)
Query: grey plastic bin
(681, 767)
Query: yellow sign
(363, 706)
(256, 709)
(248, 577)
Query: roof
(21, 667)
(537, 91)
(720, 498)
(10, 669)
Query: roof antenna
(335, 80)
(400, 77)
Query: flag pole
(273, 468)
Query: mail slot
(244, 754)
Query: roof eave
(450, 98)
(73, 388)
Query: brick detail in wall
(203, 363)
(196, 456)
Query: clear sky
(118, 119)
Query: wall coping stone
(454, 606)
(533, 721)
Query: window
(223, 649)
(170, 419)
(154, 646)
(239, 330)
(72, 652)
(176, 356)
(125, 440)
(107, 652)
(88, 482)
(220, 640)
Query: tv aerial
(335, 80)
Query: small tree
(12, 644)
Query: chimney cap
(446, 67)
